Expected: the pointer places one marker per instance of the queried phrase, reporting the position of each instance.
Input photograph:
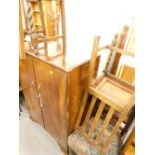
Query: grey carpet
(33, 139)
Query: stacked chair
(106, 105)
(38, 41)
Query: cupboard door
(52, 84)
(28, 83)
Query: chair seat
(112, 90)
(80, 145)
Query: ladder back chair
(95, 131)
(121, 64)
(110, 85)
(126, 73)
(39, 37)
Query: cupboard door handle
(39, 96)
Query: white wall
(87, 18)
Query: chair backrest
(31, 26)
(96, 105)
(105, 111)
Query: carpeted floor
(33, 139)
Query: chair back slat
(89, 113)
(121, 118)
(31, 26)
(21, 35)
(96, 119)
(104, 125)
(83, 104)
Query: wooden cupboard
(53, 90)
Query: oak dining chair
(107, 96)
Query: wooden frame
(45, 39)
(98, 83)
(110, 91)
(95, 51)
(121, 43)
(82, 127)
(63, 26)
(21, 36)
(126, 73)
(24, 15)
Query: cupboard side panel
(78, 82)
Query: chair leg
(71, 152)
(20, 109)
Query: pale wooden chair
(95, 132)
(122, 64)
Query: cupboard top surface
(61, 61)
